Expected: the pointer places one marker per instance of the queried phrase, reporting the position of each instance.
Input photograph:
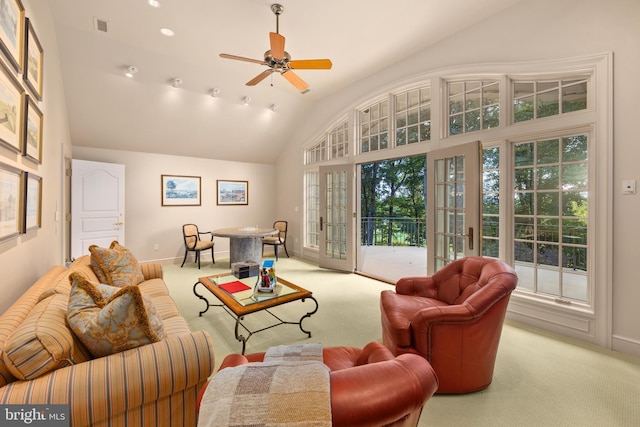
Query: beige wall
(530, 31)
(24, 259)
(148, 223)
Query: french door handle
(470, 236)
(320, 223)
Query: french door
(453, 204)
(336, 217)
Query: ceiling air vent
(100, 24)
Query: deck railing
(390, 231)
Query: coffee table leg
(202, 298)
(309, 314)
(241, 337)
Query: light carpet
(540, 378)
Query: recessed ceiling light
(167, 32)
(154, 3)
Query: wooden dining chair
(276, 240)
(193, 242)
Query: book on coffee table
(233, 287)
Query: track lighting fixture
(177, 82)
(273, 107)
(214, 92)
(246, 100)
(131, 70)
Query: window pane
(574, 97)
(574, 148)
(523, 204)
(524, 179)
(548, 104)
(574, 176)
(490, 117)
(522, 89)
(548, 151)
(524, 154)
(548, 178)
(548, 204)
(472, 121)
(523, 109)
(490, 203)
(491, 158)
(574, 204)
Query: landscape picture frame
(11, 199)
(181, 190)
(231, 192)
(32, 217)
(33, 121)
(12, 22)
(33, 61)
(11, 109)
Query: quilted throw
(289, 388)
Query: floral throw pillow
(116, 265)
(109, 319)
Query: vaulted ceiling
(147, 114)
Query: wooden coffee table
(241, 303)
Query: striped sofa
(153, 385)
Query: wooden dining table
(245, 243)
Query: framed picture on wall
(32, 202)
(233, 192)
(10, 202)
(12, 32)
(32, 133)
(179, 190)
(11, 109)
(33, 61)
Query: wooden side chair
(276, 240)
(193, 243)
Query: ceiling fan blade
(311, 64)
(260, 77)
(277, 46)
(293, 78)
(242, 58)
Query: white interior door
(336, 217)
(97, 205)
(453, 204)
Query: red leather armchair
(369, 386)
(453, 319)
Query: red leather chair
(453, 319)
(369, 386)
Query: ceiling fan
(280, 61)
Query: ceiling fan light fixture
(246, 100)
(131, 70)
(177, 82)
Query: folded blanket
(285, 390)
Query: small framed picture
(179, 190)
(33, 61)
(32, 202)
(12, 32)
(11, 109)
(32, 136)
(233, 192)
(11, 200)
